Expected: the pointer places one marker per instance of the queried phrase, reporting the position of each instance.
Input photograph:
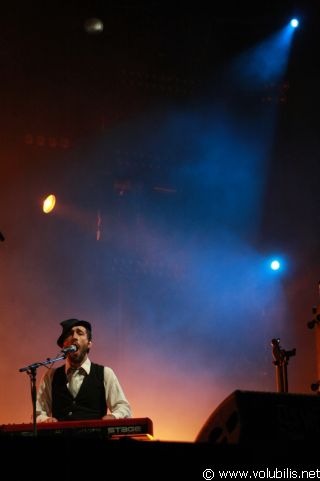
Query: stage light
(294, 23)
(49, 203)
(275, 265)
(93, 25)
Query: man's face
(78, 335)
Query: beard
(77, 358)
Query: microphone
(72, 348)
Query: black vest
(90, 402)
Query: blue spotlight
(275, 265)
(294, 23)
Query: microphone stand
(281, 359)
(315, 323)
(31, 370)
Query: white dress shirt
(116, 401)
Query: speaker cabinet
(252, 416)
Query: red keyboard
(140, 428)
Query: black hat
(68, 325)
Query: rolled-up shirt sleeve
(44, 397)
(117, 402)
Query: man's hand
(50, 420)
(109, 416)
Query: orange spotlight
(49, 203)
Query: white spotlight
(294, 23)
(275, 265)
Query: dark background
(144, 127)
